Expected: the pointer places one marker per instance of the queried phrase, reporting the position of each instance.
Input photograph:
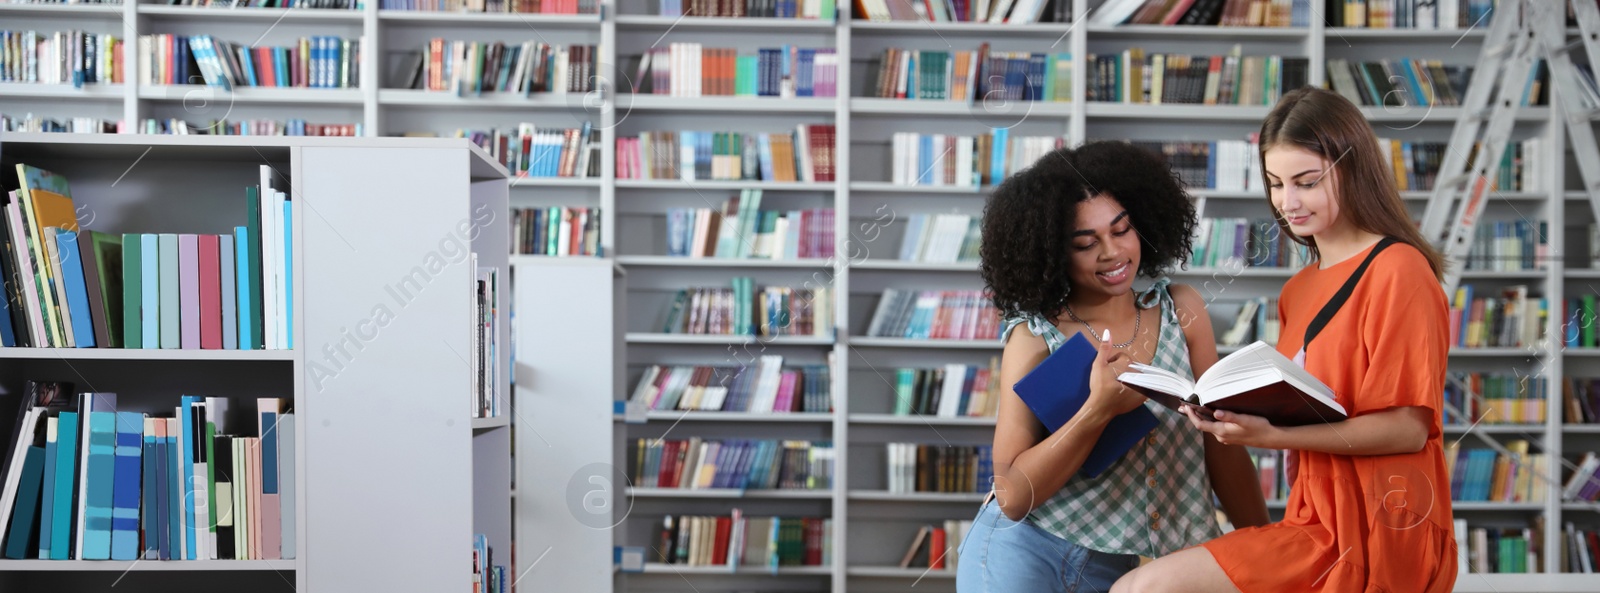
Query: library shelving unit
(606, 327)
(391, 467)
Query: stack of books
(782, 9)
(1494, 398)
(941, 238)
(1410, 14)
(476, 67)
(1510, 319)
(555, 231)
(950, 391)
(1136, 77)
(966, 76)
(1482, 475)
(765, 386)
(935, 315)
(965, 161)
(742, 310)
(1010, 12)
(1226, 13)
(740, 229)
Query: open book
(1256, 380)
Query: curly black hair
(1028, 221)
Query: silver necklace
(1095, 335)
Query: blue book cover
(288, 274)
(1057, 388)
(66, 469)
(8, 336)
(242, 271)
(150, 285)
(77, 293)
(187, 442)
(172, 511)
(100, 481)
(125, 488)
(47, 499)
(149, 490)
(269, 449)
(26, 507)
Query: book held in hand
(1059, 387)
(1255, 380)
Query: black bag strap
(1337, 302)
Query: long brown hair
(1326, 124)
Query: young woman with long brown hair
(1369, 508)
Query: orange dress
(1362, 523)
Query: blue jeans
(1004, 556)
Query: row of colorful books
(78, 288)
(1494, 398)
(740, 230)
(248, 127)
(764, 386)
(937, 547)
(1580, 400)
(745, 310)
(1581, 547)
(964, 161)
(1133, 76)
(1228, 165)
(1410, 14)
(936, 315)
(1257, 321)
(308, 4)
(1509, 319)
(1509, 245)
(313, 62)
(487, 577)
(1583, 483)
(491, 6)
(73, 125)
(555, 231)
(941, 238)
(1501, 550)
(470, 68)
(915, 467)
(1484, 475)
(744, 541)
(1227, 13)
(1011, 12)
(692, 70)
(86, 480)
(949, 391)
(532, 151)
(1244, 242)
(967, 75)
(62, 57)
(740, 464)
(791, 9)
(806, 155)
(1399, 82)
(1271, 473)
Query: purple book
(189, 290)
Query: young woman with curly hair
(1369, 506)
(1062, 243)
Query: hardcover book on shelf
(1255, 380)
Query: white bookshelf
(862, 125)
(360, 470)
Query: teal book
(132, 291)
(61, 525)
(100, 483)
(253, 243)
(21, 534)
(77, 291)
(288, 274)
(171, 307)
(47, 499)
(242, 285)
(150, 296)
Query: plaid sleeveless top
(1156, 499)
